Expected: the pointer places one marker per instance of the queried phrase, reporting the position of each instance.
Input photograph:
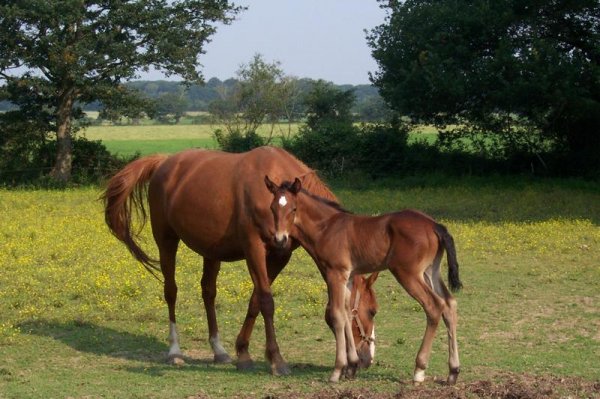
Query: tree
(528, 72)
(75, 51)
(262, 94)
(328, 140)
(170, 107)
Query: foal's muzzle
(281, 239)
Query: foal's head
(283, 207)
(363, 307)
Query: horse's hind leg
(433, 306)
(168, 249)
(210, 272)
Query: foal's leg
(210, 272)
(275, 263)
(433, 306)
(168, 249)
(450, 316)
(256, 259)
(337, 318)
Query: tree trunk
(64, 148)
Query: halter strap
(361, 328)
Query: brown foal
(408, 243)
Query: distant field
(150, 139)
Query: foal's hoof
(280, 369)
(453, 376)
(350, 371)
(176, 360)
(245, 365)
(222, 358)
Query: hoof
(452, 377)
(418, 376)
(222, 358)
(245, 365)
(280, 369)
(176, 360)
(350, 371)
(335, 376)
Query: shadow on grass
(105, 341)
(100, 340)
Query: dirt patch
(507, 386)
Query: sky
(318, 39)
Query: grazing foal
(408, 243)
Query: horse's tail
(448, 243)
(124, 195)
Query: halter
(361, 328)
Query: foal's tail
(124, 195)
(448, 243)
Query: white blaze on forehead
(282, 201)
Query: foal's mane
(286, 185)
(312, 183)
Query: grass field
(81, 319)
(151, 139)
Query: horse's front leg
(210, 272)
(262, 298)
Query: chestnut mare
(215, 203)
(408, 243)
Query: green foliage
(383, 149)
(77, 52)
(21, 137)
(518, 77)
(26, 158)
(328, 140)
(170, 108)
(262, 95)
(326, 105)
(236, 141)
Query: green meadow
(81, 319)
(145, 139)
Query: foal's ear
(296, 186)
(270, 185)
(371, 279)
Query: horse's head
(363, 307)
(283, 207)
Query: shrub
(235, 141)
(331, 148)
(383, 149)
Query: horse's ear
(371, 279)
(296, 186)
(270, 185)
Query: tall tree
(262, 94)
(527, 70)
(66, 52)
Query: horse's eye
(372, 313)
